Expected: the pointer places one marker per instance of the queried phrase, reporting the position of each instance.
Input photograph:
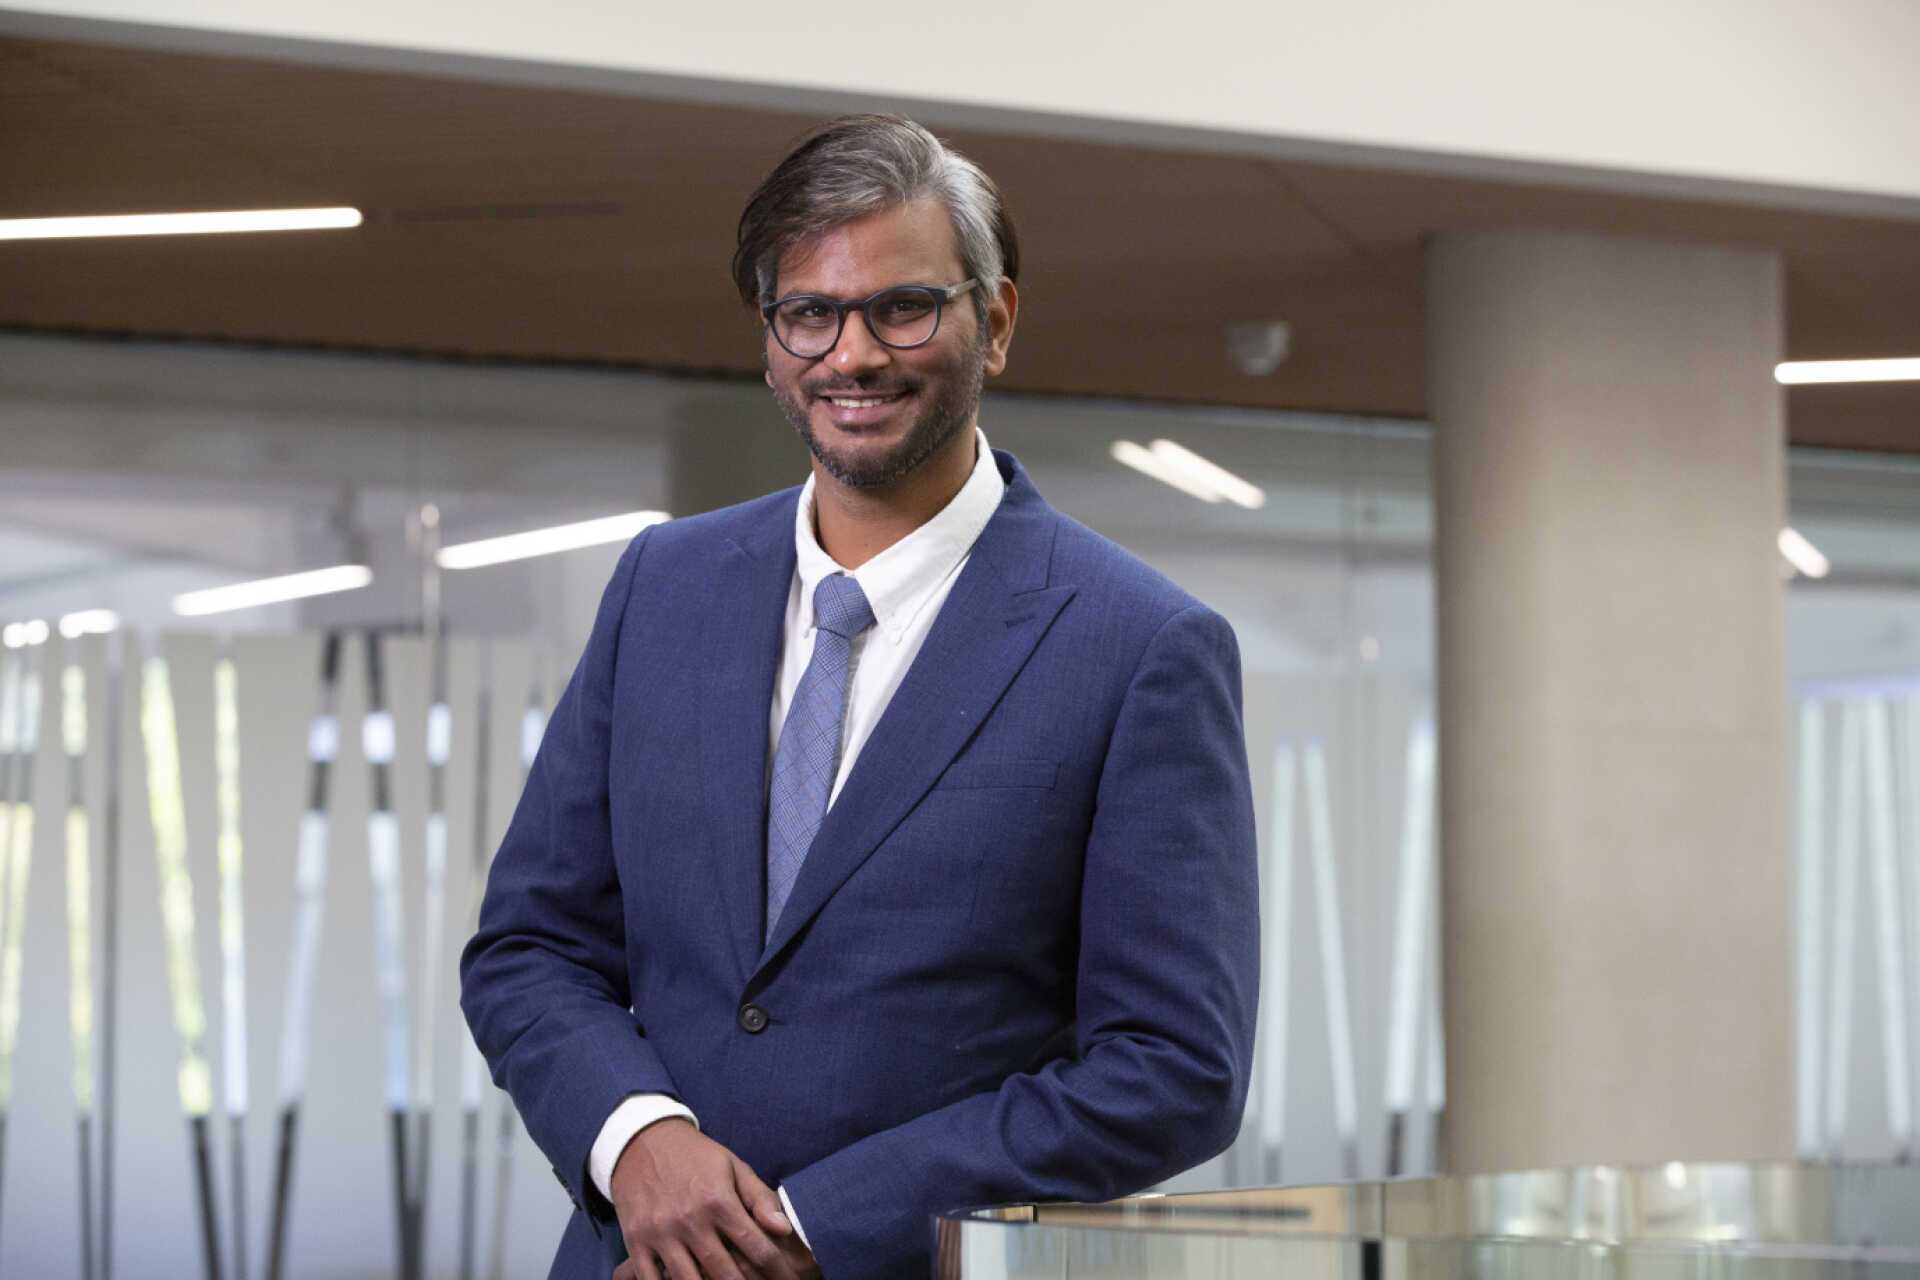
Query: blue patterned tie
(808, 756)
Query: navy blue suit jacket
(1020, 961)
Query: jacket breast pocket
(962, 775)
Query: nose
(858, 351)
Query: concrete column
(1609, 478)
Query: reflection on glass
(1724, 1221)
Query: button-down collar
(902, 579)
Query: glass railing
(1655, 1222)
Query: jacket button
(752, 1019)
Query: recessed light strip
(178, 224)
(88, 622)
(544, 542)
(1210, 474)
(24, 635)
(292, 586)
(1149, 463)
(1803, 555)
(1795, 373)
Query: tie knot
(840, 606)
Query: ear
(1001, 313)
(767, 377)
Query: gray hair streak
(853, 166)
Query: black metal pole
(86, 1198)
(383, 849)
(417, 1197)
(469, 1187)
(402, 1211)
(203, 1168)
(237, 1140)
(282, 1189)
(310, 874)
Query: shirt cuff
(635, 1112)
(794, 1218)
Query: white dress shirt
(905, 585)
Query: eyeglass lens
(903, 317)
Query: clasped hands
(689, 1209)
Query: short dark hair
(853, 166)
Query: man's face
(871, 413)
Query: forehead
(913, 243)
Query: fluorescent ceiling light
(1188, 472)
(1147, 462)
(21, 635)
(1799, 372)
(544, 542)
(177, 224)
(1224, 482)
(88, 622)
(1803, 555)
(292, 586)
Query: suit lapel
(998, 610)
(741, 659)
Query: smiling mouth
(862, 402)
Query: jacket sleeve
(544, 981)
(1166, 991)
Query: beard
(940, 418)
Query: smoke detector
(1257, 349)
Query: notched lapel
(997, 613)
(742, 638)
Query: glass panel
(1659, 1222)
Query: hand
(799, 1257)
(690, 1209)
(797, 1254)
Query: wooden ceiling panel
(543, 224)
(1880, 416)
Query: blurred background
(532, 326)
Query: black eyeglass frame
(941, 296)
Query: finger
(761, 1200)
(677, 1263)
(716, 1260)
(745, 1235)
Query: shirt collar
(900, 580)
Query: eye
(807, 313)
(908, 304)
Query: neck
(855, 525)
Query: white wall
(1807, 94)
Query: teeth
(847, 402)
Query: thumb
(761, 1200)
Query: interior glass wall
(1854, 657)
(135, 472)
(142, 471)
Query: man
(891, 849)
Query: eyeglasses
(904, 316)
